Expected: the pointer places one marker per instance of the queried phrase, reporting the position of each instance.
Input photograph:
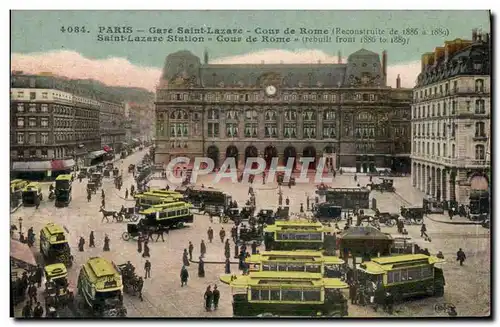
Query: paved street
(467, 287)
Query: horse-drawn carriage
(249, 235)
(387, 218)
(96, 178)
(92, 187)
(106, 173)
(413, 215)
(387, 185)
(130, 279)
(239, 214)
(128, 214)
(266, 216)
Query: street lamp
(20, 224)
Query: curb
(443, 221)
(15, 209)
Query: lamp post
(20, 225)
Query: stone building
(344, 111)
(112, 125)
(50, 127)
(451, 120)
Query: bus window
(255, 294)
(296, 267)
(302, 237)
(282, 266)
(313, 268)
(264, 295)
(273, 267)
(291, 295)
(171, 213)
(163, 215)
(404, 275)
(309, 296)
(275, 295)
(414, 273)
(266, 267)
(315, 236)
(426, 271)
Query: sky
(41, 41)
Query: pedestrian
(389, 303)
(301, 208)
(287, 201)
(91, 240)
(203, 248)
(106, 243)
(236, 251)
(32, 293)
(102, 194)
(423, 230)
(190, 249)
(451, 213)
(254, 247)
(227, 249)
(146, 254)
(184, 276)
(140, 285)
(81, 244)
(307, 202)
(38, 311)
(222, 235)
(27, 310)
(216, 297)
(210, 234)
(461, 256)
(159, 233)
(201, 268)
(352, 293)
(440, 255)
(227, 267)
(147, 269)
(126, 193)
(185, 260)
(89, 197)
(103, 203)
(208, 299)
(139, 243)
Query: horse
(106, 214)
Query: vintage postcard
(234, 164)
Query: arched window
(329, 115)
(179, 115)
(309, 115)
(213, 114)
(270, 115)
(251, 115)
(480, 107)
(290, 115)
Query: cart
(415, 215)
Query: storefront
(95, 158)
(40, 170)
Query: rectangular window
(32, 95)
(44, 95)
(44, 107)
(44, 122)
(32, 107)
(213, 129)
(44, 153)
(20, 138)
(20, 94)
(32, 138)
(32, 122)
(44, 138)
(20, 107)
(20, 122)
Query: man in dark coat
(216, 297)
(201, 268)
(461, 256)
(147, 269)
(38, 311)
(81, 244)
(185, 260)
(32, 293)
(227, 267)
(89, 197)
(423, 230)
(126, 193)
(210, 234)
(146, 254)
(222, 235)
(254, 247)
(27, 310)
(287, 201)
(91, 240)
(184, 276)
(227, 249)
(140, 285)
(208, 299)
(451, 213)
(379, 297)
(106, 243)
(139, 243)
(352, 293)
(190, 249)
(203, 248)
(38, 276)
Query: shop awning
(62, 164)
(107, 148)
(95, 154)
(31, 166)
(22, 254)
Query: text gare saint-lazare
(191, 34)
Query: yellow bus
(54, 245)
(100, 285)
(174, 214)
(297, 261)
(297, 235)
(166, 193)
(32, 193)
(403, 275)
(147, 199)
(286, 293)
(63, 190)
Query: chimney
(339, 57)
(398, 82)
(438, 54)
(474, 35)
(384, 64)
